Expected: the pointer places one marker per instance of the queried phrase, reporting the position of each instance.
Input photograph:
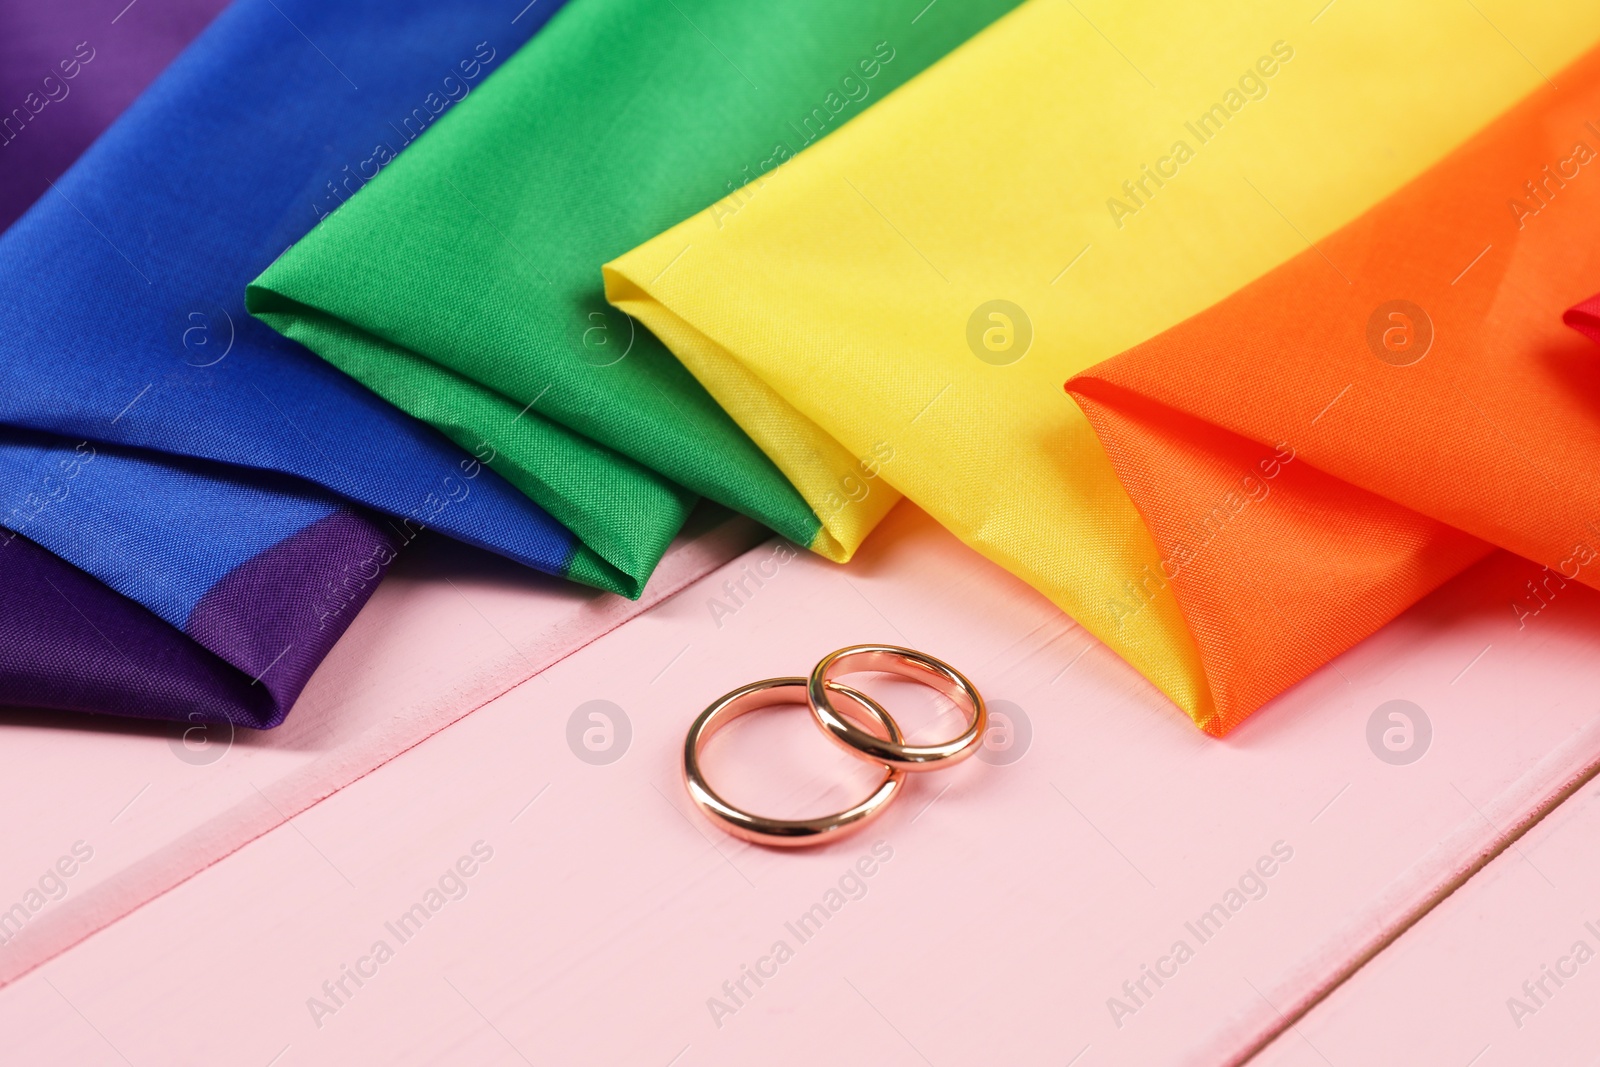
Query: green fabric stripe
(463, 283)
(623, 514)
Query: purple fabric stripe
(276, 616)
(68, 643)
(68, 68)
(46, 118)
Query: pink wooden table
(1016, 909)
(1503, 972)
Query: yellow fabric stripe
(835, 302)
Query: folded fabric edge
(1105, 403)
(598, 558)
(844, 492)
(73, 644)
(771, 421)
(276, 616)
(1585, 318)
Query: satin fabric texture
(1329, 444)
(89, 52)
(58, 621)
(463, 284)
(1585, 317)
(194, 508)
(1090, 205)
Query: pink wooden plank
(1502, 972)
(1018, 899)
(447, 631)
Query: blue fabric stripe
(158, 531)
(121, 301)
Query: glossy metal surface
(904, 663)
(784, 833)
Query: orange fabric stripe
(1416, 366)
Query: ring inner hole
(775, 762)
(926, 716)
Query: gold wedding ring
(848, 731)
(904, 663)
(781, 832)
